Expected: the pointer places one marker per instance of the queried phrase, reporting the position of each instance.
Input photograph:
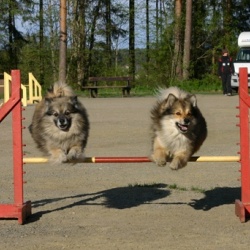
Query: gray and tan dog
(60, 125)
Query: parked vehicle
(242, 59)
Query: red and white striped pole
(138, 159)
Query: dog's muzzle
(62, 123)
(183, 127)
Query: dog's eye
(178, 113)
(55, 114)
(67, 112)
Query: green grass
(144, 91)
(138, 91)
(148, 185)
(194, 189)
(208, 85)
(176, 187)
(198, 190)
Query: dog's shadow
(133, 196)
(216, 197)
(118, 198)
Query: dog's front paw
(177, 163)
(58, 156)
(160, 161)
(174, 166)
(75, 153)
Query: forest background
(157, 42)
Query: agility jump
(135, 159)
(21, 210)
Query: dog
(178, 128)
(60, 125)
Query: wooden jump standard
(242, 207)
(18, 209)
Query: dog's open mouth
(182, 127)
(63, 127)
(63, 124)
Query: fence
(30, 93)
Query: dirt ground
(134, 205)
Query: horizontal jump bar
(134, 159)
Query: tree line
(155, 41)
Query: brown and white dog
(178, 127)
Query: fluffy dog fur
(60, 125)
(178, 127)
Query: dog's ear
(74, 101)
(50, 89)
(193, 100)
(167, 103)
(48, 101)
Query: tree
(96, 28)
(187, 42)
(63, 41)
(176, 67)
(41, 32)
(132, 38)
(78, 61)
(147, 33)
(108, 32)
(15, 38)
(53, 30)
(204, 37)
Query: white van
(242, 59)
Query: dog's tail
(59, 89)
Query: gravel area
(129, 205)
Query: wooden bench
(93, 89)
